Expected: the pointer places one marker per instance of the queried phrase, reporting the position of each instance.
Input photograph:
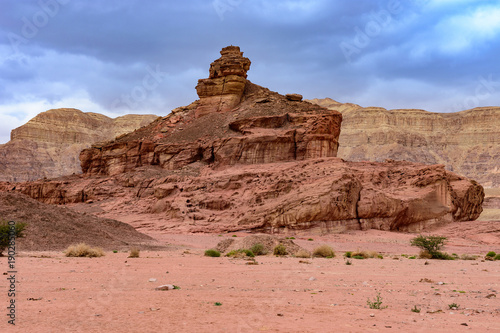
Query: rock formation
(466, 142)
(266, 163)
(55, 228)
(49, 144)
(224, 87)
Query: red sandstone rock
(266, 164)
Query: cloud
(99, 56)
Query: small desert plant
(134, 253)
(280, 250)
(83, 250)
(431, 244)
(324, 251)
(217, 303)
(240, 253)
(425, 255)
(491, 256)
(7, 229)
(415, 309)
(348, 254)
(364, 254)
(442, 256)
(303, 254)
(115, 251)
(497, 257)
(234, 236)
(212, 253)
(348, 262)
(453, 306)
(376, 303)
(468, 257)
(310, 239)
(258, 249)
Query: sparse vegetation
(468, 257)
(453, 306)
(212, 253)
(240, 253)
(258, 249)
(491, 254)
(376, 303)
(348, 254)
(348, 262)
(324, 251)
(303, 254)
(310, 239)
(280, 250)
(134, 253)
(217, 303)
(115, 251)
(431, 246)
(364, 254)
(83, 250)
(497, 257)
(17, 230)
(415, 309)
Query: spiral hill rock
(245, 158)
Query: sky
(118, 57)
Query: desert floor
(115, 293)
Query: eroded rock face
(466, 142)
(327, 195)
(224, 88)
(267, 164)
(49, 144)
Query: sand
(115, 293)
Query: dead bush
(83, 250)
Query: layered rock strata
(49, 144)
(466, 142)
(267, 164)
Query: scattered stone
(165, 287)
(152, 280)
(464, 324)
(491, 295)
(312, 278)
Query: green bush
(212, 253)
(348, 254)
(17, 230)
(258, 249)
(431, 245)
(497, 257)
(491, 254)
(280, 250)
(324, 251)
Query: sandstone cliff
(266, 163)
(466, 142)
(49, 144)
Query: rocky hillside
(245, 158)
(466, 142)
(49, 144)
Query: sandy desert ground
(115, 293)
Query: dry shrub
(134, 253)
(324, 251)
(303, 254)
(365, 254)
(83, 250)
(425, 255)
(468, 257)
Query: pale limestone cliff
(466, 142)
(49, 144)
